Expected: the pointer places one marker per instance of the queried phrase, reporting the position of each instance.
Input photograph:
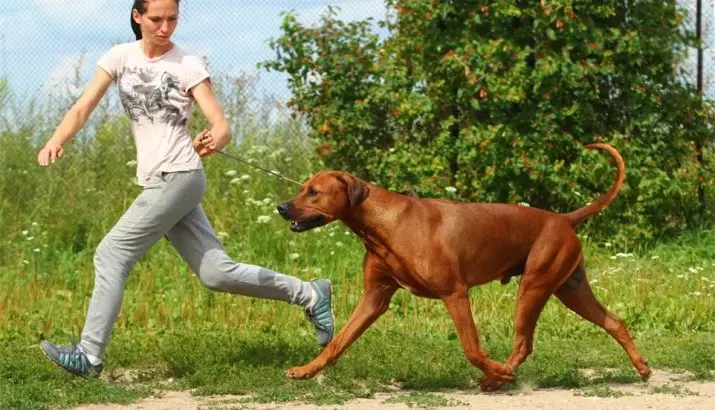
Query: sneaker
(71, 358)
(321, 312)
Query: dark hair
(140, 5)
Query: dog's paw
(299, 373)
(644, 370)
(489, 385)
(496, 376)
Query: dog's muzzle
(284, 210)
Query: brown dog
(439, 248)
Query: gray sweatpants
(170, 206)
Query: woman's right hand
(50, 153)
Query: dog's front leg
(374, 302)
(459, 308)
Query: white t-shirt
(155, 93)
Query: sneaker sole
(59, 366)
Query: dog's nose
(283, 209)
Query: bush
(496, 100)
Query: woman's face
(158, 21)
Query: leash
(256, 166)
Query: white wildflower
(231, 173)
(263, 219)
(451, 189)
(294, 256)
(235, 181)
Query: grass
(171, 328)
(674, 390)
(424, 400)
(174, 334)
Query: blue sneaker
(71, 358)
(321, 313)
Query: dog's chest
(408, 283)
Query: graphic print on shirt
(141, 96)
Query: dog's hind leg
(460, 310)
(581, 300)
(549, 265)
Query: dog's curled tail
(581, 214)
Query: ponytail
(136, 28)
(140, 6)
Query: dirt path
(663, 391)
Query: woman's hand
(50, 153)
(75, 118)
(204, 143)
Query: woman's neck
(154, 50)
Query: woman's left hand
(204, 143)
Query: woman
(158, 82)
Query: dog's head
(324, 198)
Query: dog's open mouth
(309, 223)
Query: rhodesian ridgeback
(439, 248)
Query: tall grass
(52, 218)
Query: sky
(41, 41)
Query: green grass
(174, 334)
(424, 400)
(171, 328)
(674, 390)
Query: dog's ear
(356, 189)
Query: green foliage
(497, 99)
(172, 333)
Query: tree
(493, 100)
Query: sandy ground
(663, 391)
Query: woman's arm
(75, 118)
(208, 142)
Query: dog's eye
(312, 192)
